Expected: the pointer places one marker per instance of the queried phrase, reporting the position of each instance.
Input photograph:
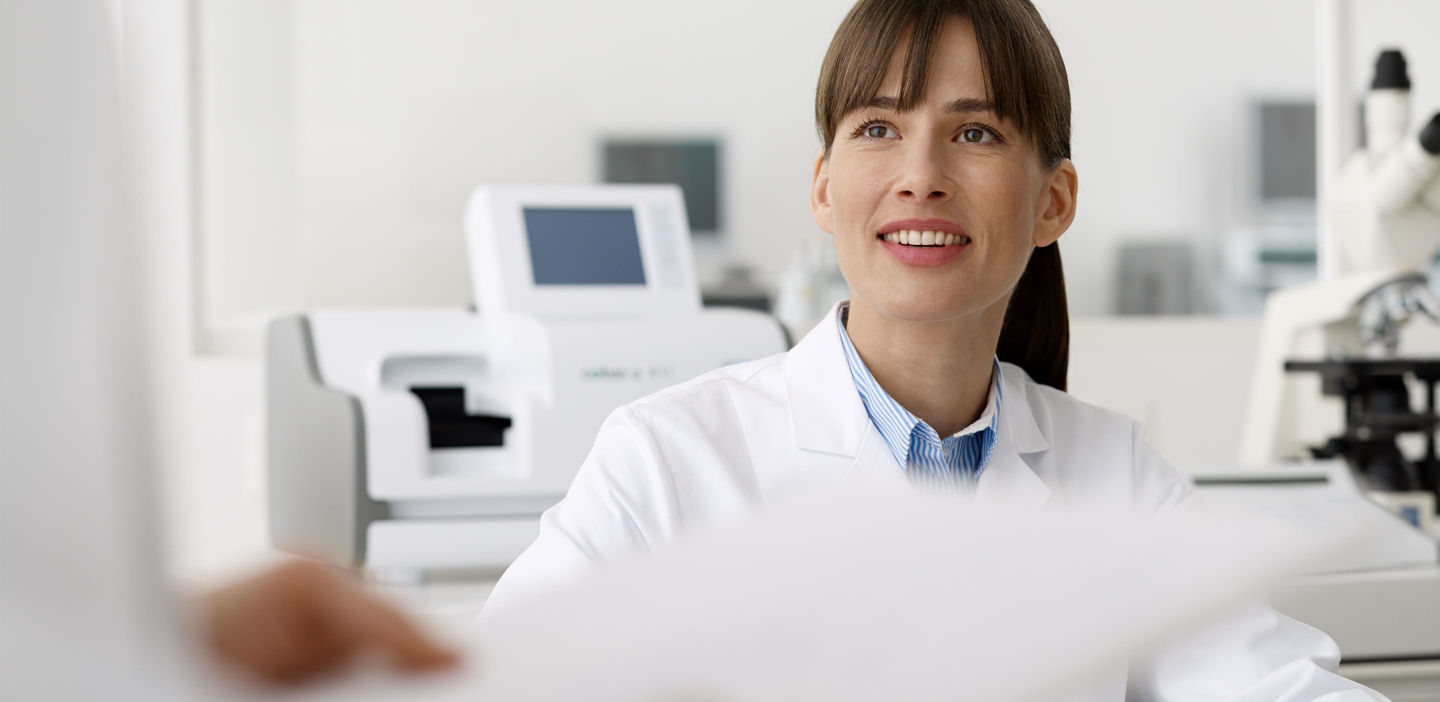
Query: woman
(945, 180)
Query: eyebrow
(963, 105)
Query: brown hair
(1029, 87)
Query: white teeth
(915, 237)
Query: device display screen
(591, 246)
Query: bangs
(1024, 75)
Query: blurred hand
(302, 619)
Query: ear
(1057, 203)
(820, 194)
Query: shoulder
(708, 424)
(1062, 417)
(1093, 452)
(659, 465)
(731, 390)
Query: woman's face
(948, 167)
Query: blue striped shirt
(930, 461)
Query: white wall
(1186, 379)
(1160, 91)
(341, 137)
(353, 130)
(392, 112)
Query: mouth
(924, 233)
(927, 237)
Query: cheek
(855, 188)
(1007, 208)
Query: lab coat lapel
(1010, 477)
(1009, 480)
(825, 409)
(874, 461)
(833, 433)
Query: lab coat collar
(1021, 432)
(827, 415)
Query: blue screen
(584, 246)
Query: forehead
(955, 70)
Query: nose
(923, 179)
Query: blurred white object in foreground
(84, 612)
(871, 594)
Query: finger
(279, 639)
(371, 622)
(319, 657)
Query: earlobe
(820, 194)
(1058, 204)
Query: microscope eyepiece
(1430, 136)
(1390, 72)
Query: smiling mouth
(922, 238)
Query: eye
(977, 134)
(876, 130)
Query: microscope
(1342, 409)
(1345, 331)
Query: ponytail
(1036, 331)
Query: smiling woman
(1008, 118)
(1025, 82)
(944, 177)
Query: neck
(938, 370)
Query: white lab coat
(709, 452)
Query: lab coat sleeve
(1255, 655)
(620, 504)
(1252, 656)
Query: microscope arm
(1288, 313)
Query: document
(871, 593)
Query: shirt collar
(893, 421)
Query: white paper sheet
(865, 595)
